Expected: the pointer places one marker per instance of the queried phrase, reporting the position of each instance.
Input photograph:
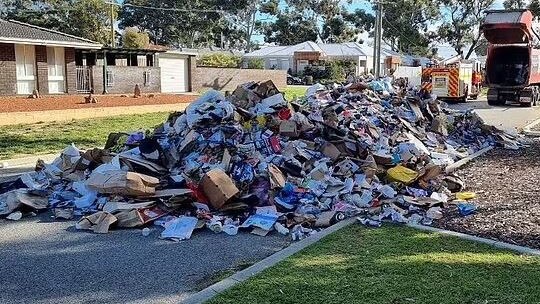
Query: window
(109, 78)
(150, 60)
(25, 57)
(146, 77)
(55, 60)
(363, 63)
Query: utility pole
(377, 40)
(112, 26)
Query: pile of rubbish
(253, 161)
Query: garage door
(174, 75)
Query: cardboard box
(123, 183)
(277, 179)
(288, 128)
(218, 188)
(330, 150)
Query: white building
(297, 57)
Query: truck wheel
(492, 102)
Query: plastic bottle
(215, 226)
(230, 229)
(369, 222)
(15, 216)
(281, 229)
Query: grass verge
(292, 92)
(393, 265)
(41, 138)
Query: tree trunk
(473, 46)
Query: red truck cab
(512, 65)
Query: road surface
(510, 118)
(46, 261)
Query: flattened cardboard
(277, 179)
(226, 160)
(218, 188)
(128, 219)
(113, 207)
(330, 150)
(288, 128)
(123, 183)
(146, 164)
(99, 222)
(171, 193)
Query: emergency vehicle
(450, 81)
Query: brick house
(32, 57)
(52, 62)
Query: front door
(25, 58)
(56, 68)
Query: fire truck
(450, 81)
(513, 64)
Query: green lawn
(41, 138)
(394, 265)
(292, 92)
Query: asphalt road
(511, 118)
(44, 261)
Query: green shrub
(220, 60)
(256, 64)
(331, 71)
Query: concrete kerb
(211, 291)
(527, 129)
(219, 287)
(23, 161)
(502, 245)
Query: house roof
(12, 31)
(265, 51)
(308, 46)
(342, 49)
(335, 49)
(348, 49)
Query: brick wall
(71, 71)
(125, 79)
(97, 79)
(8, 70)
(42, 70)
(225, 79)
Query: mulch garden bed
(20, 104)
(507, 184)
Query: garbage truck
(513, 63)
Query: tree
(461, 23)
(96, 25)
(186, 23)
(534, 6)
(133, 38)
(405, 24)
(289, 29)
(301, 20)
(68, 16)
(514, 4)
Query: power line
(172, 9)
(401, 35)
